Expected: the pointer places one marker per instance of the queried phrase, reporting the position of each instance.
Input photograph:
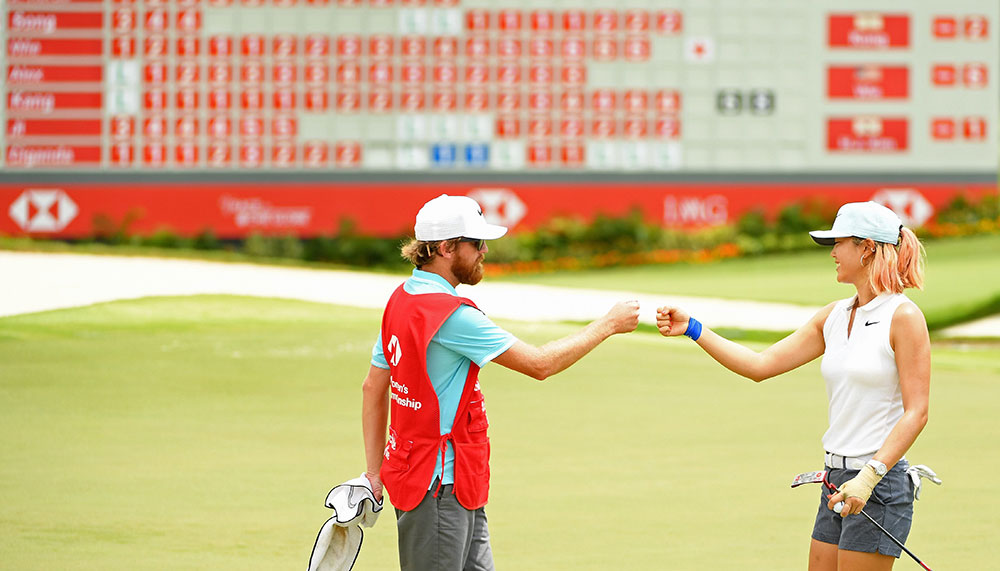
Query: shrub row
(569, 244)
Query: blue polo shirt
(467, 336)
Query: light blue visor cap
(862, 220)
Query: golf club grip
(839, 506)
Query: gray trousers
(441, 535)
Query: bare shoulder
(909, 322)
(820, 317)
(908, 314)
(818, 320)
(824, 312)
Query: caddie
(424, 383)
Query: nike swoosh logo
(867, 323)
(354, 508)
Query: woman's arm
(802, 346)
(911, 342)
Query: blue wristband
(693, 329)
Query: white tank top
(862, 382)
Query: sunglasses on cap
(477, 242)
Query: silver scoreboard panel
(423, 86)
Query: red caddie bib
(415, 440)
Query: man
(425, 367)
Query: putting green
(205, 432)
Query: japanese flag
(700, 49)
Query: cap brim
(826, 237)
(487, 232)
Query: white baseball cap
(448, 217)
(862, 220)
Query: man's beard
(469, 273)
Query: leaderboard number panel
(386, 86)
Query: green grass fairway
(963, 279)
(204, 433)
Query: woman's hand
(672, 321)
(855, 492)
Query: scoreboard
(476, 85)
(181, 94)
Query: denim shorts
(891, 505)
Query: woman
(876, 362)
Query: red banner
(868, 134)
(53, 73)
(50, 22)
(868, 82)
(52, 155)
(25, 47)
(869, 30)
(237, 210)
(46, 102)
(51, 3)
(43, 127)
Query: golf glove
(917, 473)
(861, 486)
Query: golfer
(876, 362)
(424, 380)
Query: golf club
(820, 478)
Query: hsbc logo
(395, 351)
(911, 206)
(43, 210)
(500, 205)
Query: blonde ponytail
(895, 268)
(911, 259)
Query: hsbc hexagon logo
(43, 210)
(395, 351)
(911, 206)
(500, 205)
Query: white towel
(339, 540)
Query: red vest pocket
(477, 421)
(398, 458)
(404, 488)
(472, 473)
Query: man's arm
(555, 356)
(374, 418)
